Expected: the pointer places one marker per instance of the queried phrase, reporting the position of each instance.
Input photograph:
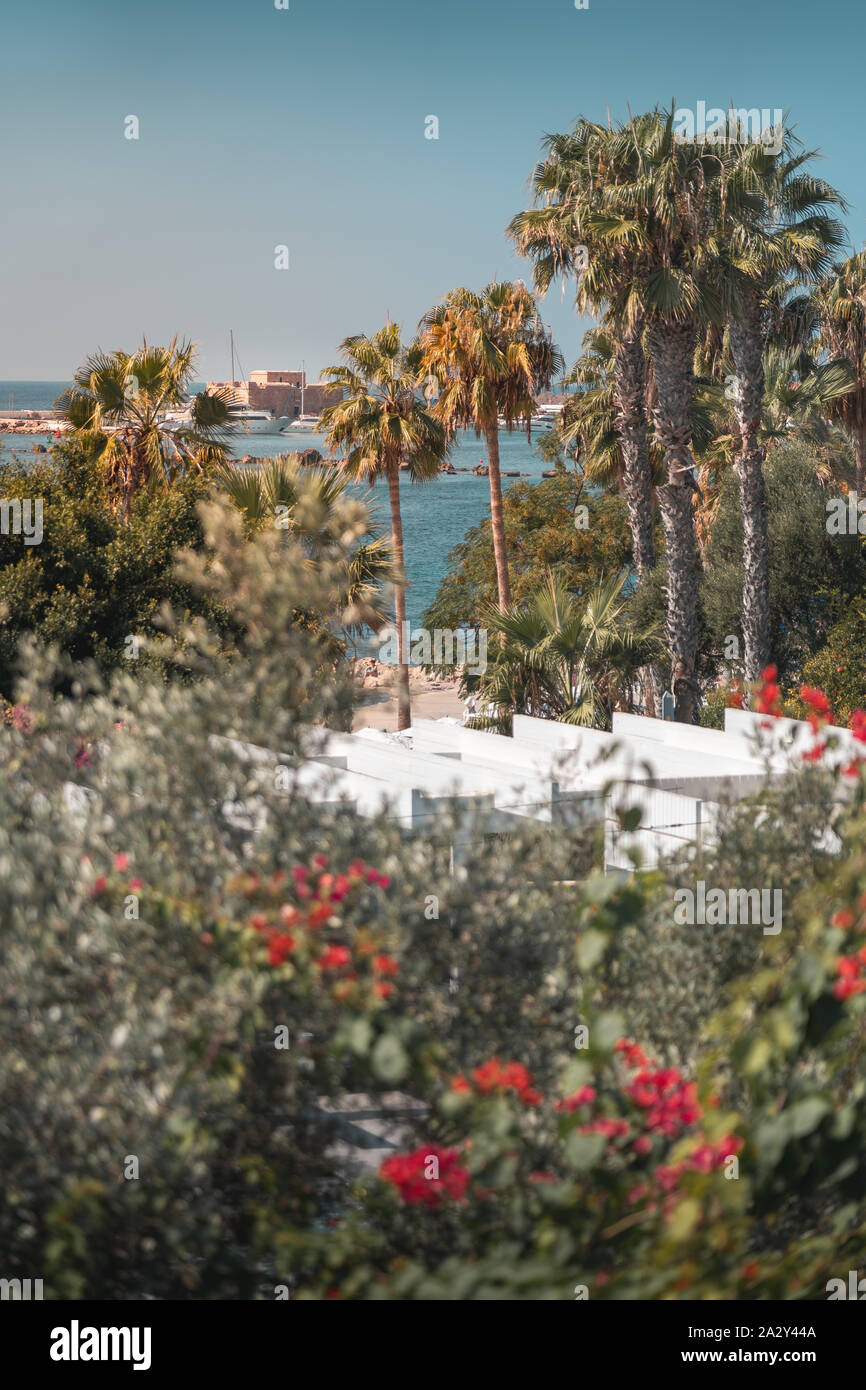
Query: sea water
(436, 515)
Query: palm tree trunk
(747, 346)
(631, 428)
(673, 346)
(628, 379)
(497, 520)
(404, 714)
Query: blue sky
(305, 127)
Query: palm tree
(569, 235)
(773, 231)
(638, 200)
(382, 424)
(841, 308)
(304, 501)
(563, 657)
(118, 403)
(489, 354)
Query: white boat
(251, 421)
(305, 424)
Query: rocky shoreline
(34, 426)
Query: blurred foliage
(813, 575)
(164, 912)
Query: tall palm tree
(637, 198)
(563, 657)
(568, 235)
(119, 402)
(381, 424)
(773, 230)
(841, 308)
(490, 354)
(304, 501)
(798, 396)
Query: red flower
(279, 946)
(409, 1174)
(585, 1096)
(633, 1055)
(850, 980)
(845, 918)
(121, 863)
(134, 885)
(671, 1103)
(858, 725)
(386, 965)
(611, 1129)
(334, 958)
(99, 885)
(814, 755)
(383, 989)
(816, 700)
(320, 861)
(768, 692)
(460, 1085)
(509, 1076)
(341, 887)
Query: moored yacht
(252, 421)
(305, 424)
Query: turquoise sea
(435, 516)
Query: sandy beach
(431, 698)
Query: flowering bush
(198, 964)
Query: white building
(676, 773)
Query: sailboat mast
(303, 384)
(232, 341)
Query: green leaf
(574, 1074)
(582, 1151)
(590, 948)
(684, 1219)
(389, 1059)
(359, 1035)
(607, 1029)
(806, 1115)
